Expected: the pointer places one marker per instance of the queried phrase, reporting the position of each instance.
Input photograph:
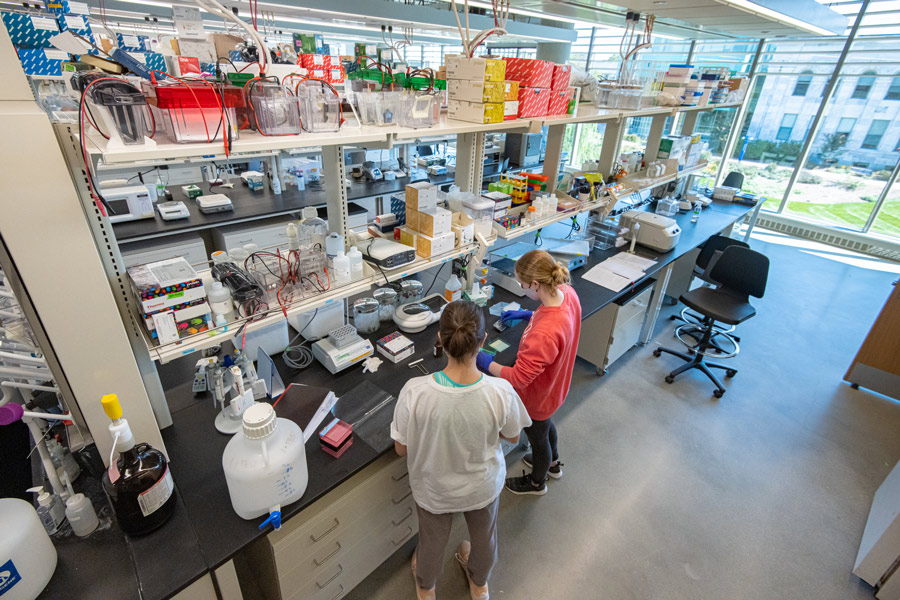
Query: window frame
(866, 144)
(862, 90)
(789, 128)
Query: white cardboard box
(475, 112)
(435, 221)
(475, 69)
(421, 195)
(476, 91)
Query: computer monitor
(355, 157)
(425, 150)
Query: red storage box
(529, 72)
(194, 114)
(334, 74)
(559, 101)
(316, 61)
(533, 102)
(562, 74)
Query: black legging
(542, 437)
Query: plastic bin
(123, 108)
(320, 106)
(419, 110)
(195, 111)
(482, 212)
(380, 108)
(273, 110)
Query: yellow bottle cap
(112, 407)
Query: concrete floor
(669, 493)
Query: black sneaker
(555, 471)
(524, 485)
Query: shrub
(882, 175)
(869, 198)
(851, 184)
(807, 177)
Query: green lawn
(851, 215)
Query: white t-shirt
(452, 435)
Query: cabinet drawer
(355, 564)
(297, 571)
(637, 305)
(626, 335)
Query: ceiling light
(660, 3)
(762, 11)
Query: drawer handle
(403, 476)
(409, 530)
(336, 550)
(322, 586)
(409, 512)
(339, 594)
(405, 496)
(330, 529)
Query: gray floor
(669, 493)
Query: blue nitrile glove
(483, 361)
(509, 317)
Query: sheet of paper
(634, 260)
(606, 278)
(323, 411)
(622, 268)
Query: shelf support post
(555, 135)
(335, 189)
(657, 125)
(470, 162)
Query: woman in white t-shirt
(449, 426)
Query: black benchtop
(205, 532)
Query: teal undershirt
(441, 378)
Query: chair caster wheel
(729, 373)
(718, 393)
(657, 353)
(669, 379)
(601, 371)
(673, 317)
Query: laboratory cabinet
(188, 245)
(335, 543)
(615, 328)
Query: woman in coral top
(542, 373)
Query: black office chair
(734, 179)
(706, 261)
(740, 273)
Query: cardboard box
(412, 218)
(512, 91)
(530, 72)
(475, 112)
(398, 207)
(76, 24)
(164, 284)
(562, 75)
(396, 347)
(475, 69)
(434, 221)
(334, 74)
(559, 101)
(406, 236)
(318, 61)
(67, 7)
(421, 195)
(427, 246)
(501, 200)
(133, 43)
(42, 61)
(189, 320)
(463, 228)
(510, 110)
(533, 102)
(476, 91)
(30, 31)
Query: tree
(832, 146)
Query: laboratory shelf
(446, 126)
(585, 113)
(249, 142)
(373, 277)
(647, 183)
(547, 221)
(709, 107)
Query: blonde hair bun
(538, 265)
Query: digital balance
(171, 211)
(213, 203)
(341, 349)
(416, 316)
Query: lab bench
(356, 510)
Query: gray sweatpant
(434, 531)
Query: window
(893, 92)
(876, 131)
(864, 86)
(787, 126)
(846, 125)
(802, 85)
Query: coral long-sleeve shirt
(542, 374)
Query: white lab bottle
(50, 509)
(540, 207)
(63, 460)
(81, 515)
(552, 204)
(453, 289)
(356, 264)
(341, 269)
(264, 463)
(276, 183)
(334, 243)
(317, 227)
(26, 547)
(220, 301)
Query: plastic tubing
(38, 436)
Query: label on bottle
(114, 470)
(9, 576)
(153, 498)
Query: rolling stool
(740, 273)
(706, 261)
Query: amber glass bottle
(138, 483)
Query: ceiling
(704, 18)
